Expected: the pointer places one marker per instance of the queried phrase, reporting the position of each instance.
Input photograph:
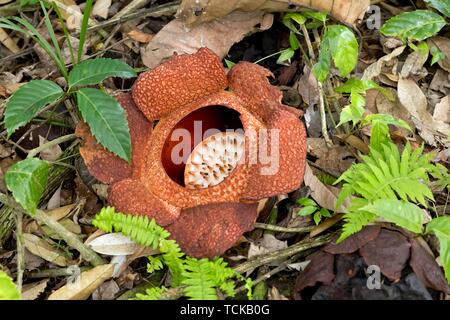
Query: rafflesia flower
(221, 144)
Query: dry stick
(71, 239)
(272, 227)
(283, 253)
(20, 250)
(323, 120)
(50, 144)
(53, 273)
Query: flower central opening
(191, 131)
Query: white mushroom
(213, 160)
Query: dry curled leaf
(376, 68)
(101, 8)
(197, 11)
(85, 285)
(31, 291)
(218, 35)
(140, 36)
(45, 250)
(8, 42)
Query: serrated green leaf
(387, 119)
(415, 25)
(379, 135)
(343, 48)
(442, 6)
(293, 41)
(437, 55)
(28, 100)
(351, 113)
(8, 290)
(440, 227)
(441, 224)
(107, 121)
(26, 180)
(404, 214)
(95, 71)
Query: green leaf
(306, 202)
(343, 48)
(354, 222)
(325, 213)
(230, 64)
(415, 25)
(297, 17)
(317, 217)
(322, 68)
(26, 102)
(404, 214)
(379, 135)
(107, 121)
(26, 180)
(8, 290)
(442, 6)
(351, 113)
(285, 55)
(440, 227)
(437, 55)
(306, 211)
(361, 86)
(387, 119)
(95, 71)
(293, 41)
(320, 16)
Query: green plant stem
(70, 238)
(269, 56)
(271, 227)
(283, 253)
(32, 153)
(308, 42)
(20, 250)
(323, 119)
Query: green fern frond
(354, 222)
(387, 175)
(154, 263)
(140, 229)
(151, 294)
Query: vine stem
(323, 119)
(32, 153)
(71, 239)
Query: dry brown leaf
(442, 110)
(443, 45)
(66, 223)
(101, 8)
(71, 13)
(274, 294)
(218, 35)
(31, 291)
(376, 68)
(321, 193)
(57, 214)
(414, 100)
(8, 42)
(140, 36)
(267, 244)
(198, 11)
(85, 285)
(308, 87)
(107, 291)
(413, 65)
(45, 250)
(335, 159)
(49, 154)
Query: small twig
(20, 250)
(283, 253)
(71, 239)
(323, 119)
(50, 144)
(53, 273)
(308, 42)
(272, 227)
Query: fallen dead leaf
(426, 268)
(274, 294)
(320, 269)
(85, 285)
(335, 159)
(101, 8)
(354, 242)
(195, 11)
(45, 250)
(49, 154)
(267, 244)
(413, 65)
(376, 68)
(218, 35)
(415, 101)
(389, 251)
(140, 36)
(107, 291)
(308, 87)
(66, 223)
(442, 110)
(321, 193)
(31, 291)
(114, 244)
(8, 42)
